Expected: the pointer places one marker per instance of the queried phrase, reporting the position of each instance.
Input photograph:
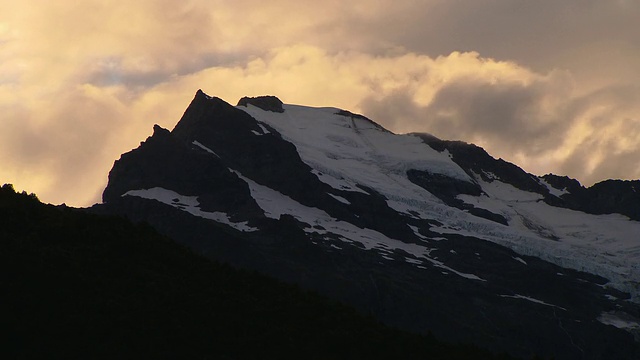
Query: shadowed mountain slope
(79, 285)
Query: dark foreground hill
(79, 285)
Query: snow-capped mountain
(425, 234)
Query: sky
(553, 86)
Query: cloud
(508, 108)
(606, 141)
(54, 145)
(541, 124)
(550, 86)
(511, 115)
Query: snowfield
(346, 151)
(189, 204)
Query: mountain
(424, 234)
(79, 285)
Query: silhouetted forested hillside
(79, 285)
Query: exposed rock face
(387, 223)
(351, 115)
(564, 183)
(607, 197)
(267, 103)
(447, 190)
(614, 196)
(476, 161)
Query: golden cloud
(81, 83)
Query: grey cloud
(507, 115)
(622, 165)
(112, 70)
(397, 110)
(615, 140)
(509, 120)
(113, 73)
(539, 34)
(614, 165)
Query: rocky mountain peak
(267, 103)
(159, 130)
(423, 233)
